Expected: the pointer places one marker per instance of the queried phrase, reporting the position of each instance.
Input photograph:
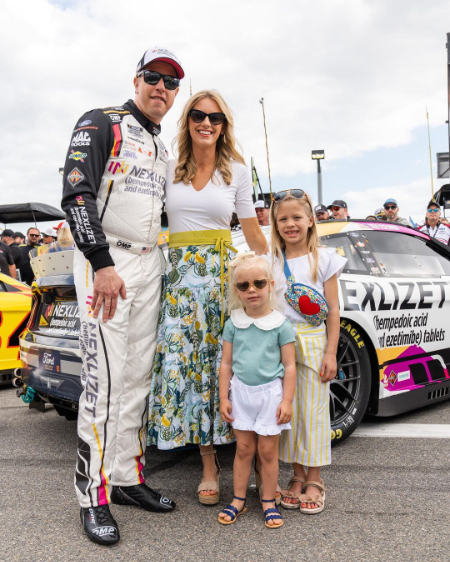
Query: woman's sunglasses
(297, 193)
(257, 284)
(198, 116)
(152, 77)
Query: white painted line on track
(408, 430)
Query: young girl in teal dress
(256, 381)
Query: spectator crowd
(435, 225)
(15, 247)
(15, 250)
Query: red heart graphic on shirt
(307, 307)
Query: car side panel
(14, 313)
(407, 321)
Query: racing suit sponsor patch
(82, 224)
(116, 167)
(78, 156)
(135, 131)
(75, 176)
(81, 139)
(84, 123)
(129, 154)
(88, 344)
(123, 245)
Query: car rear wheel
(350, 390)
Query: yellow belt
(220, 238)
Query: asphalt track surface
(387, 499)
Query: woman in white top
(204, 187)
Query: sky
(352, 77)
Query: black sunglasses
(245, 285)
(297, 193)
(152, 77)
(387, 207)
(198, 116)
(33, 234)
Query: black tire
(350, 390)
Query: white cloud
(349, 76)
(411, 198)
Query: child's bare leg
(313, 492)
(268, 454)
(296, 487)
(242, 467)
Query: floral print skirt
(184, 392)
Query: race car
(394, 346)
(15, 306)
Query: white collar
(241, 320)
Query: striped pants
(309, 441)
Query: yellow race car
(15, 308)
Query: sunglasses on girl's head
(392, 207)
(198, 116)
(433, 210)
(297, 193)
(257, 284)
(152, 77)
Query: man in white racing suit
(114, 179)
(433, 226)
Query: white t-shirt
(441, 232)
(330, 264)
(212, 207)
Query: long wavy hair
(247, 260)
(312, 239)
(226, 150)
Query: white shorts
(254, 408)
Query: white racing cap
(260, 204)
(158, 53)
(50, 232)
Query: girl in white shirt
(307, 446)
(207, 183)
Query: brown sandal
(320, 502)
(288, 494)
(212, 499)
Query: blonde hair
(312, 239)
(246, 260)
(226, 143)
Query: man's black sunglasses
(198, 116)
(392, 207)
(152, 77)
